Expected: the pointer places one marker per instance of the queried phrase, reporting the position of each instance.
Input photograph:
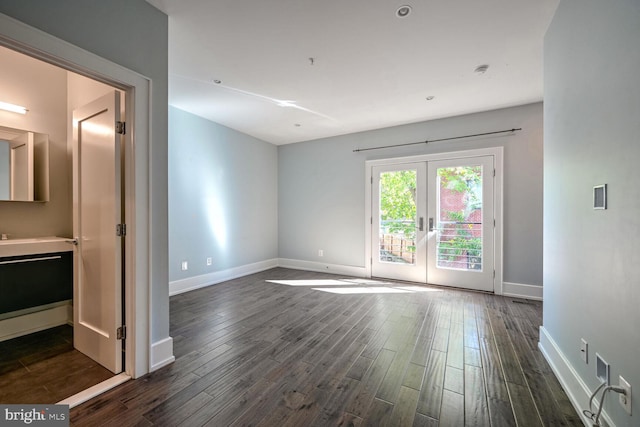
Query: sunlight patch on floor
(362, 286)
(419, 289)
(364, 290)
(366, 281)
(319, 282)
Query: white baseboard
(161, 354)
(33, 322)
(96, 390)
(573, 385)
(518, 290)
(197, 282)
(322, 267)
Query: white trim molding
(576, 389)
(192, 283)
(161, 354)
(34, 322)
(519, 290)
(297, 264)
(96, 390)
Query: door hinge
(371, 220)
(121, 332)
(121, 230)
(494, 173)
(121, 128)
(372, 180)
(494, 223)
(494, 274)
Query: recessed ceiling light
(216, 81)
(403, 11)
(430, 97)
(481, 69)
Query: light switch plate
(584, 351)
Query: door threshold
(96, 390)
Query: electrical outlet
(602, 369)
(185, 265)
(584, 351)
(625, 399)
(209, 261)
(320, 252)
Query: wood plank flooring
(43, 367)
(253, 352)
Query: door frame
(35, 43)
(496, 152)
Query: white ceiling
(370, 68)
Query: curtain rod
(357, 150)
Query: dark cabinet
(33, 280)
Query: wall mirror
(24, 165)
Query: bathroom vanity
(36, 275)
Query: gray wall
(224, 194)
(592, 123)
(322, 189)
(131, 33)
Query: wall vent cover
(600, 196)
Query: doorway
(135, 166)
(55, 347)
(144, 351)
(436, 219)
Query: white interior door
(461, 223)
(398, 238)
(97, 301)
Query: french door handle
(421, 224)
(431, 225)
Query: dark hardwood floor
(43, 367)
(253, 352)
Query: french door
(433, 222)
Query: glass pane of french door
(459, 238)
(398, 233)
(460, 206)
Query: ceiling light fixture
(216, 81)
(13, 108)
(430, 97)
(403, 11)
(481, 69)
